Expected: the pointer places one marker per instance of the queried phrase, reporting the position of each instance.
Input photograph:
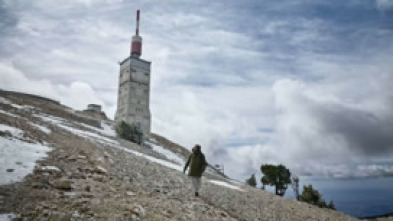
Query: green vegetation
(312, 196)
(278, 176)
(131, 132)
(252, 181)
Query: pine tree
(278, 176)
(252, 181)
(331, 205)
(312, 196)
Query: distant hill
(59, 164)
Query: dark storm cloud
(7, 19)
(367, 133)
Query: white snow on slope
(65, 124)
(17, 158)
(7, 217)
(17, 106)
(62, 123)
(153, 159)
(90, 135)
(9, 114)
(107, 129)
(167, 153)
(96, 136)
(41, 128)
(225, 184)
(50, 119)
(114, 143)
(236, 182)
(20, 157)
(5, 100)
(13, 130)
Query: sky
(304, 83)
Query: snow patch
(62, 123)
(236, 182)
(89, 135)
(41, 128)
(17, 106)
(167, 153)
(13, 130)
(7, 217)
(5, 100)
(9, 114)
(164, 163)
(17, 159)
(96, 137)
(152, 159)
(225, 184)
(108, 129)
(50, 119)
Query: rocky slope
(88, 174)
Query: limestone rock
(81, 157)
(100, 170)
(63, 184)
(138, 210)
(130, 193)
(39, 185)
(47, 169)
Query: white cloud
(12, 79)
(77, 94)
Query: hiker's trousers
(196, 183)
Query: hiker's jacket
(197, 164)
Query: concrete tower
(134, 87)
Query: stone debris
(40, 185)
(49, 169)
(81, 157)
(63, 184)
(138, 210)
(83, 179)
(100, 170)
(130, 193)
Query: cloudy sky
(301, 82)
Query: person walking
(197, 163)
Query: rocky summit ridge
(83, 172)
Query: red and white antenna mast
(136, 43)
